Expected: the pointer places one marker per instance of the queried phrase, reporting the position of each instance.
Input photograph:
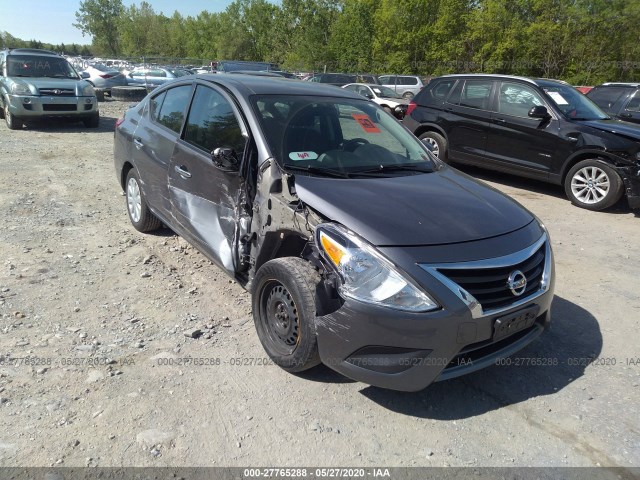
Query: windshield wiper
(394, 168)
(317, 171)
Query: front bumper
(34, 106)
(408, 351)
(631, 179)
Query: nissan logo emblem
(57, 92)
(517, 282)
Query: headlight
(366, 275)
(20, 89)
(88, 91)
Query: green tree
(351, 43)
(100, 18)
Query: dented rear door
(204, 199)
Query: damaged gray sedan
(360, 249)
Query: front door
(517, 142)
(204, 199)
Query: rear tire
(284, 312)
(408, 95)
(141, 217)
(593, 184)
(437, 143)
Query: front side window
(342, 135)
(39, 66)
(173, 107)
(386, 80)
(516, 99)
(634, 103)
(212, 123)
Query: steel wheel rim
(279, 318)
(590, 185)
(134, 200)
(435, 148)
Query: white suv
(405, 85)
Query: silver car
(405, 85)
(154, 76)
(103, 77)
(37, 84)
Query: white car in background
(383, 96)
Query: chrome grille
(489, 285)
(58, 92)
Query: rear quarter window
(436, 92)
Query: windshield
(35, 66)
(573, 104)
(338, 135)
(385, 92)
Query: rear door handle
(499, 120)
(138, 143)
(182, 171)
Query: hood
(617, 127)
(429, 209)
(46, 82)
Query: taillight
(107, 75)
(119, 122)
(412, 106)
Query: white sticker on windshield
(559, 99)
(303, 156)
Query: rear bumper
(33, 107)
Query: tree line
(580, 41)
(9, 41)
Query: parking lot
(98, 366)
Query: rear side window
(212, 123)
(476, 93)
(173, 107)
(407, 81)
(606, 97)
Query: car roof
(619, 84)
(32, 51)
(247, 85)
(534, 81)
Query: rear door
(467, 118)
(154, 141)
(204, 199)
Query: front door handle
(499, 120)
(138, 143)
(182, 171)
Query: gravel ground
(96, 318)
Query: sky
(51, 21)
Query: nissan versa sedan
(360, 249)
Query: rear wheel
(408, 95)
(436, 143)
(593, 184)
(13, 123)
(284, 312)
(141, 217)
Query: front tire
(437, 143)
(593, 184)
(284, 312)
(12, 122)
(141, 217)
(93, 121)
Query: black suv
(537, 128)
(620, 100)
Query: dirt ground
(96, 318)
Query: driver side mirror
(225, 159)
(539, 111)
(84, 75)
(369, 96)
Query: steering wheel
(351, 145)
